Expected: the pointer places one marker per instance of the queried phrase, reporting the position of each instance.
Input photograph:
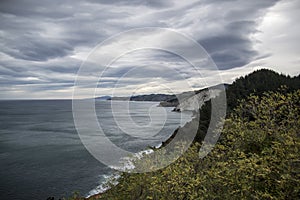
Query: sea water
(42, 156)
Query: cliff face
(193, 100)
(196, 101)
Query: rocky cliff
(195, 102)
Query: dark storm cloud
(42, 30)
(44, 42)
(38, 50)
(7, 80)
(51, 86)
(21, 69)
(229, 51)
(150, 3)
(233, 46)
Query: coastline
(102, 188)
(194, 109)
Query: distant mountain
(152, 97)
(119, 98)
(103, 98)
(148, 97)
(256, 82)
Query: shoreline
(147, 149)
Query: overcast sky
(43, 43)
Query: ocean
(42, 156)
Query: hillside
(257, 83)
(256, 157)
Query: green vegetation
(256, 158)
(256, 83)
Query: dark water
(41, 154)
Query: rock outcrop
(195, 102)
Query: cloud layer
(43, 43)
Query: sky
(44, 44)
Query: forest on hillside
(256, 157)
